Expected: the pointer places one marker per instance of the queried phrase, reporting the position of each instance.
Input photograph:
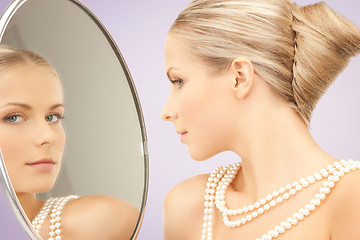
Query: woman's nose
(45, 134)
(169, 113)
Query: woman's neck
(279, 151)
(30, 204)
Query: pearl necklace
(220, 179)
(54, 207)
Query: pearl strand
(41, 216)
(55, 231)
(332, 172)
(290, 222)
(265, 204)
(54, 207)
(213, 181)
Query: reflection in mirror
(105, 160)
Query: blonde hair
(11, 58)
(298, 51)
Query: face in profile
(32, 137)
(200, 103)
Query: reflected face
(200, 104)
(32, 137)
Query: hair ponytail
(324, 43)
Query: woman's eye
(53, 118)
(14, 118)
(179, 82)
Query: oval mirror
(106, 149)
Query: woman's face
(201, 102)
(32, 137)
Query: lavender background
(139, 28)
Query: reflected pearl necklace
(54, 207)
(221, 178)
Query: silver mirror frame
(4, 177)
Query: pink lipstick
(45, 164)
(183, 134)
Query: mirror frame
(4, 177)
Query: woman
(32, 140)
(246, 78)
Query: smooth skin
(237, 111)
(31, 108)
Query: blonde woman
(32, 141)
(246, 76)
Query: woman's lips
(183, 135)
(43, 164)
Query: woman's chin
(203, 155)
(200, 156)
(39, 188)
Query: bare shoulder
(346, 208)
(183, 208)
(99, 217)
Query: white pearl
(286, 196)
(260, 210)
(268, 197)
(283, 224)
(311, 179)
(279, 199)
(317, 176)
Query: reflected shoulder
(346, 209)
(99, 217)
(183, 208)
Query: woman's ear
(242, 70)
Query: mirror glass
(106, 151)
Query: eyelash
(13, 115)
(177, 81)
(60, 117)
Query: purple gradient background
(139, 28)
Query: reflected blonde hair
(11, 58)
(298, 51)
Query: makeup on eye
(53, 118)
(14, 118)
(18, 117)
(177, 81)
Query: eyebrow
(168, 72)
(28, 107)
